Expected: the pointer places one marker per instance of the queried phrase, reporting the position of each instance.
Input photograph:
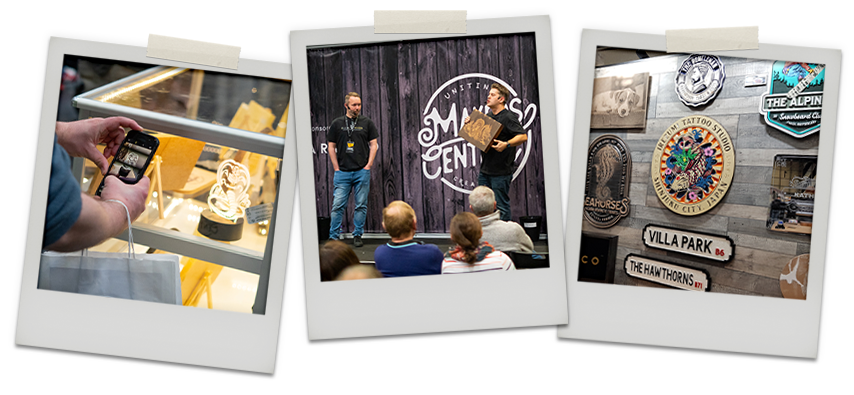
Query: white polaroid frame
(424, 304)
(713, 321)
(146, 330)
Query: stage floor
(366, 252)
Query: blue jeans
(500, 185)
(342, 182)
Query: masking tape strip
(191, 51)
(419, 21)
(719, 39)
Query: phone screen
(132, 158)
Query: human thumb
(99, 159)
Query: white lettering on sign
(446, 155)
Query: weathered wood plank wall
(760, 254)
(397, 81)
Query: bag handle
(131, 251)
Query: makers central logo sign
(447, 152)
(793, 101)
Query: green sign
(793, 102)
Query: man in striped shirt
(404, 256)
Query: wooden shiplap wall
(760, 254)
(396, 81)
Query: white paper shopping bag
(148, 277)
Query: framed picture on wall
(392, 176)
(698, 236)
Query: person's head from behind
(335, 256)
(399, 220)
(353, 103)
(466, 233)
(359, 272)
(482, 201)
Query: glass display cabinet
(214, 128)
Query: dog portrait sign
(669, 274)
(620, 102)
(793, 101)
(481, 130)
(704, 245)
(692, 165)
(699, 79)
(606, 191)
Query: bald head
(399, 220)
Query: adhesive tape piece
(419, 21)
(719, 39)
(191, 51)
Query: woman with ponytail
(470, 254)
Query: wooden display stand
(196, 278)
(153, 172)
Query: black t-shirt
(352, 141)
(501, 163)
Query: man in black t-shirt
(496, 168)
(352, 142)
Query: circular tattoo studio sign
(609, 171)
(693, 165)
(699, 79)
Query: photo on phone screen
(133, 158)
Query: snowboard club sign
(447, 152)
(794, 98)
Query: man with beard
(352, 141)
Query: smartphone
(133, 158)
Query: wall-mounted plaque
(692, 165)
(606, 191)
(481, 130)
(699, 79)
(755, 80)
(793, 101)
(793, 278)
(598, 258)
(704, 245)
(792, 193)
(669, 274)
(620, 102)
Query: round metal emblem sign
(692, 165)
(609, 172)
(699, 79)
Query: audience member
(359, 272)
(404, 256)
(335, 256)
(470, 254)
(502, 235)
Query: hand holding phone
(132, 158)
(133, 196)
(80, 138)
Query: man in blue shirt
(404, 256)
(75, 220)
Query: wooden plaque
(481, 130)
